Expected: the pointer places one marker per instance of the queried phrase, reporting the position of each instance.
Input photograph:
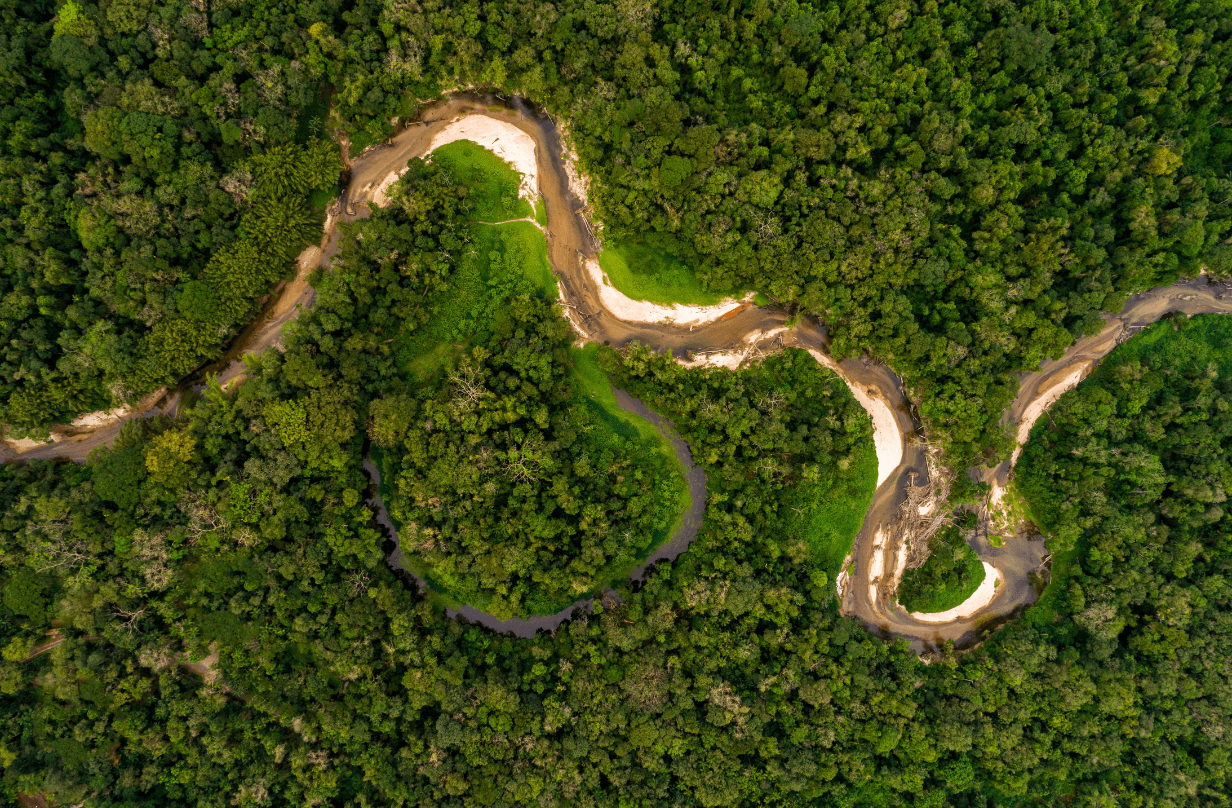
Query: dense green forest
(958, 188)
(153, 188)
(202, 614)
(727, 679)
(513, 489)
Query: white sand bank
(579, 183)
(94, 420)
(731, 360)
(978, 600)
(640, 311)
(887, 437)
(501, 138)
(876, 564)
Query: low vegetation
(491, 183)
(643, 271)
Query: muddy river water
(747, 330)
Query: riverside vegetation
(950, 575)
(727, 679)
(958, 187)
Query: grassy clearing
(827, 512)
(541, 212)
(594, 385)
(947, 597)
(492, 182)
(643, 271)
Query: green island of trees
(951, 574)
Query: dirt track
(570, 244)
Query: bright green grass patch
(492, 182)
(320, 198)
(645, 272)
(541, 212)
(501, 261)
(829, 508)
(594, 384)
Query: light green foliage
(829, 506)
(291, 171)
(643, 271)
(72, 20)
(315, 428)
(491, 183)
(289, 420)
(171, 460)
(391, 418)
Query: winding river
(743, 331)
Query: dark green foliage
(520, 498)
(958, 188)
(952, 572)
(728, 679)
(124, 178)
